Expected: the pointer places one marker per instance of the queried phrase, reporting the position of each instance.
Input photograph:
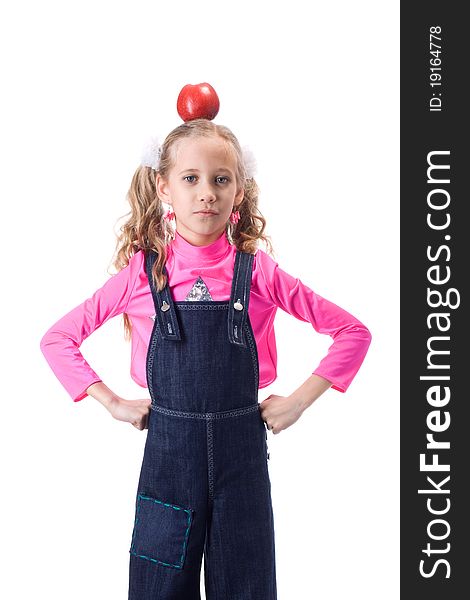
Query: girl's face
(201, 187)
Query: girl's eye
(219, 178)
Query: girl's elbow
(48, 342)
(367, 336)
(44, 342)
(362, 334)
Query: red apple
(199, 101)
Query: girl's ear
(162, 189)
(239, 197)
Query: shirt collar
(213, 251)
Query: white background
(312, 88)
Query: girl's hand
(132, 411)
(280, 412)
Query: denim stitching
(254, 356)
(237, 273)
(231, 315)
(248, 262)
(210, 415)
(246, 298)
(239, 265)
(167, 321)
(245, 283)
(235, 328)
(187, 511)
(169, 317)
(157, 296)
(153, 337)
(150, 356)
(210, 458)
(200, 305)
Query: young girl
(199, 303)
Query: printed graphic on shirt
(199, 291)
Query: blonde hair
(146, 229)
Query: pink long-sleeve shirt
(128, 291)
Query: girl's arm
(61, 342)
(101, 392)
(280, 412)
(131, 411)
(309, 391)
(351, 338)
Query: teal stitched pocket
(161, 531)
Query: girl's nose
(209, 197)
(207, 193)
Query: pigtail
(251, 225)
(144, 229)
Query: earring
(235, 217)
(170, 215)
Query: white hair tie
(249, 161)
(151, 153)
(152, 150)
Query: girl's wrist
(309, 391)
(101, 392)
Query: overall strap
(164, 307)
(238, 304)
(240, 297)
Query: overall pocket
(161, 531)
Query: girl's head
(201, 167)
(202, 177)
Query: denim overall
(204, 486)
